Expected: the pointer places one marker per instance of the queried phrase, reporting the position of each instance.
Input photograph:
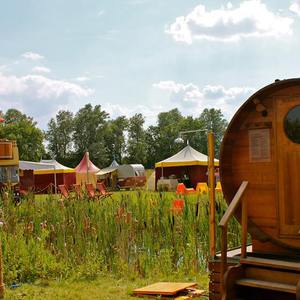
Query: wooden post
(212, 200)
(223, 256)
(1, 273)
(244, 228)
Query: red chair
(180, 190)
(64, 191)
(177, 205)
(78, 190)
(91, 192)
(102, 190)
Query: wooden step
(272, 275)
(271, 263)
(261, 284)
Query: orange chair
(180, 190)
(78, 190)
(64, 191)
(103, 192)
(91, 192)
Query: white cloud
(40, 69)
(251, 19)
(192, 99)
(82, 78)
(40, 96)
(295, 7)
(32, 56)
(149, 112)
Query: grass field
(102, 288)
(79, 248)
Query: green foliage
(89, 128)
(136, 233)
(24, 130)
(125, 140)
(160, 138)
(60, 136)
(136, 145)
(115, 138)
(213, 120)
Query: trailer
(9, 165)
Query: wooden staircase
(262, 279)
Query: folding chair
(180, 190)
(64, 191)
(103, 192)
(91, 192)
(78, 190)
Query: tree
(136, 146)
(162, 137)
(24, 130)
(213, 120)
(90, 124)
(59, 135)
(115, 138)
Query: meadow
(134, 236)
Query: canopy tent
(86, 171)
(188, 166)
(42, 175)
(188, 156)
(109, 175)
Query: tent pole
(87, 167)
(212, 196)
(55, 181)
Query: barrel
(6, 149)
(262, 146)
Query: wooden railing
(223, 224)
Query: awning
(106, 171)
(188, 156)
(44, 167)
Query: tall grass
(133, 234)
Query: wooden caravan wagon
(260, 176)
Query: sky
(143, 56)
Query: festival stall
(188, 166)
(86, 171)
(45, 175)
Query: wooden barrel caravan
(262, 146)
(260, 177)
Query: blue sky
(143, 55)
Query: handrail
(223, 224)
(233, 204)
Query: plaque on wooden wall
(259, 145)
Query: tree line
(69, 136)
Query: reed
(134, 234)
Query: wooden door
(288, 163)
